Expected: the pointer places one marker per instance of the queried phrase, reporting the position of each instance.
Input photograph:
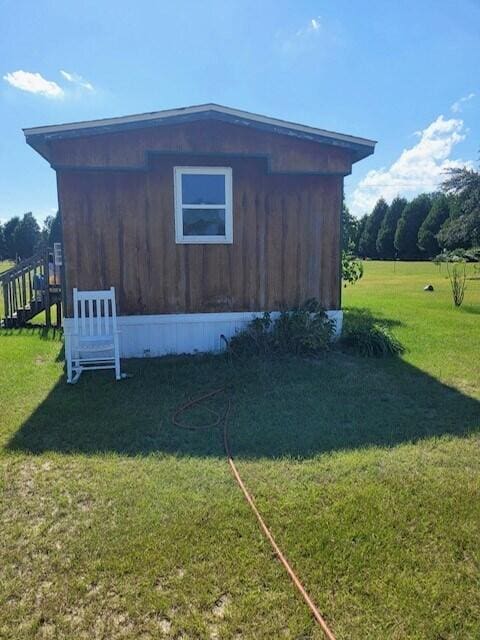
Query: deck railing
(27, 288)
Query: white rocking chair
(93, 343)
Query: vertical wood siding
(119, 230)
(135, 148)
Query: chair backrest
(94, 312)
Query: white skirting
(159, 335)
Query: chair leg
(118, 374)
(76, 377)
(68, 355)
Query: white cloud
(305, 38)
(34, 83)
(74, 78)
(458, 105)
(313, 26)
(418, 169)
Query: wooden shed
(199, 217)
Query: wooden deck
(30, 287)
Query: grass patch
(116, 525)
(5, 265)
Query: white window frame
(178, 172)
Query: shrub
(366, 336)
(457, 277)
(255, 339)
(304, 331)
(459, 255)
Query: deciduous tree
(462, 228)
(9, 229)
(52, 230)
(27, 236)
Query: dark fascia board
(39, 137)
(150, 156)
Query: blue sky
(403, 73)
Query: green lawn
(116, 525)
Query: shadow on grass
(281, 407)
(39, 330)
(470, 308)
(357, 313)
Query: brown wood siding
(119, 230)
(129, 149)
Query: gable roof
(360, 147)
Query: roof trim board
(361, 147)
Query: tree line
(21, 237)
(423, 228)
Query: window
(203, 205)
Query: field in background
(114, 524)
(441, 339)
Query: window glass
(203, 222)
(203, 205)
(202, 188)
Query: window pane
(203, 222)
(203, 188)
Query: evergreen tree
(368, 242)
(408, 226)
(27, 236)
(9, 229)
(3, 247)
(360, 229)
(427, 234)
(386, 233)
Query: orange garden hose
(223, 418)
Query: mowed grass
(441, 339)
(5, 265)
(114, 524)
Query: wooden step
(26, 290)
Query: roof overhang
(38, 137)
